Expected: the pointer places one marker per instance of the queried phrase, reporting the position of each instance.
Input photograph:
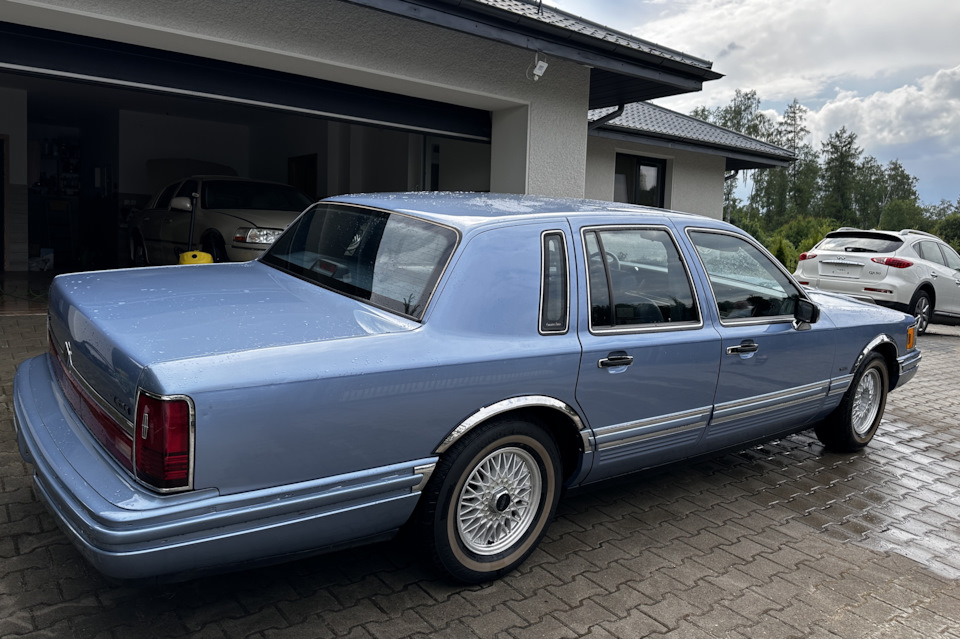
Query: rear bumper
(128, 532)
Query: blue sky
(888, 71)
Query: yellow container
(196, 257)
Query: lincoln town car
(446, 364)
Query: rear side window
(636, 279)
(386, 259)
(860, 242)
(930, 251)
(555, 290)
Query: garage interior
(99, 147)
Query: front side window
(746, 283)
(163, 200)
(636, 279)
(389, 260)
(953, 260)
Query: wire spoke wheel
(499, 501)
(490, 499)
(866, 402)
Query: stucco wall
(694, 181)
(337, 41)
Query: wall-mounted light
(538, 68)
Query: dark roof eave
(671, 76)
(736, 159)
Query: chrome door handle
(934, 275)
(746, 346)
(615, 359)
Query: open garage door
(106, 126)
(50, 53)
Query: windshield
(239, 194)
(387, 259)
(860, 242)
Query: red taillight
(895, 262)
(162, 441)
(806, 256)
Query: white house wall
(336, 41)
(694, 181)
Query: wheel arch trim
(886, 342)
(512, 404)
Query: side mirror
(806, 312)
(181, 204)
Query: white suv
(909, 270)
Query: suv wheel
(922, 309)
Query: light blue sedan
(446, 362)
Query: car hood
(118, 323)
(263, 218)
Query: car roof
(470, 209)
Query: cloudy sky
(887, 70)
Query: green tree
(838, 177)
(949, 229)
(902, 214)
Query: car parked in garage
(908, 270)
(235, 219)
(444, 362)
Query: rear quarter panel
(281, 415)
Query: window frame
(638, 328)
(545, 236)
(744, 321)
(643, 160)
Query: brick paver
(781, 540)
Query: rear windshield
(237, 194)
(860, 242)
(389, 260)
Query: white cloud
(886, 69)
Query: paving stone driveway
(782, 540)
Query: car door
(946, 279)
(953, 264)
(649, 365)
(774, 372)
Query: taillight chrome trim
(192, 440)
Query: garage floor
(782, 540)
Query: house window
(639, 180)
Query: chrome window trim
(639, 328)
(193, 432)
(506, 405)
(773, 319)
(543, 279)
